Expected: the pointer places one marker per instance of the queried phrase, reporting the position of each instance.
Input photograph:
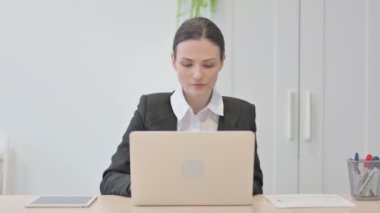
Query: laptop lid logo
(193, 169)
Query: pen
(356, 156)
(356, 163)
(365, 187)
(367, 158)
(374, 164)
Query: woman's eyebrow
(186, 59)
(205, 60)
(210, 59)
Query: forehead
(200, 48)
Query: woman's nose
(197, 72)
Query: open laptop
(192, 168)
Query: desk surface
(115, 204)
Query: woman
(198, 56)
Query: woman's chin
(200, 92)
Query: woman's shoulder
(156, 99)
(155, 106)
(236, 102)
(158, 95)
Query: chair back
(4, 160)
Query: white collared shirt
(206, 120)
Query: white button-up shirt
(206, 120)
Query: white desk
(116, 204)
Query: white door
(339, 52)
(351, 89)
(311, 68)
(265, 57)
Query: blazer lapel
(227, 123)
(230, 119)
(169, 123)
(165, 123)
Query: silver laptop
(192, 168)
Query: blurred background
(72, 73)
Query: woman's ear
(173, 61)
(222, 61)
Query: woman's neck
(197, 103)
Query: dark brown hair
(198, 28)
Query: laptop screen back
(192, 168)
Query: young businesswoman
(198, 56)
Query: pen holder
(364, 178)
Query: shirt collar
(216, 103)
(180, 105)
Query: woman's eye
(208, 65)
(187, 65)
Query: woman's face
(197, 63)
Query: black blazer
(154, 112)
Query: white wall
(71, 74)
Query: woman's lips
(198, 85)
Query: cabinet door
(351, 88)
(311, 96)
(339, 52)
(265, 57)
(312, 70)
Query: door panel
(311, 84)
(265, 70)
(345, 89)
(328, 49)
